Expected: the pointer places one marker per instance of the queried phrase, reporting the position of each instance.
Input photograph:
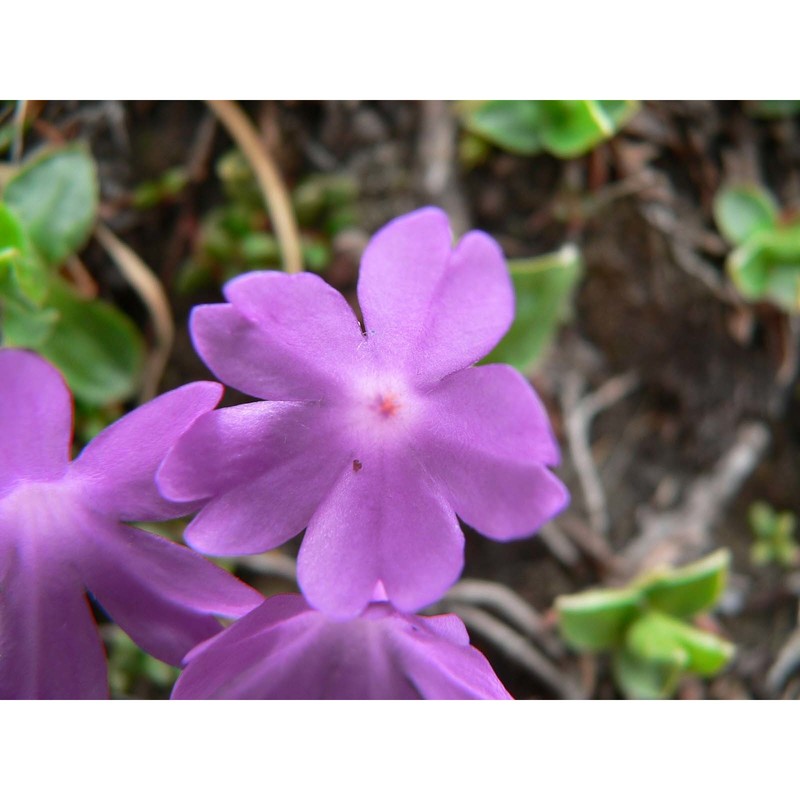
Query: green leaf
(660, 638)
(597, 619)
(741, 211)
(55, 196)
(688, 590)
(767, 267)
(763, 519)
(638, 679)
(97, 347)
(543, 288)
(573, 127)
(24, 325)
(774, 109)
(21, 270)
(513, 125)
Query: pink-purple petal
(163, 595)
(428, 307)
(444, 671)
(384, 521)
(285, 337)
(49, 645)
(118, 467)
(400, 273)
(487, 439)
(274, 463)
(474, 307)
(240, 443)
(490, 410)
(299, 653)
(35, 419)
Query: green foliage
(95, 346)
(163, 189)
(742, 211)
(133, 673)
(236, 237)
(564, 128)
(765, 264)
(774, 109)
(55, 196)
(543, 288)
(646, 626)
(774, 532)
(47, 213)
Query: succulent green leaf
(23, 324)
(573, 127)
(97, 348)
(658, 637)
(741, 211)
(597, 619)
(513, 125)
(21, 269)
(55, 196)
(639, 679)
(767, 267)
(565, 128)
(543, 288)
(688, 590)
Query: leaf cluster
(48, 209)
(235, 236)
(647, 626)
(563, 128)
(543, 286)
(765, 261)
(774, 532)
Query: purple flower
(286, 650)
(374, 441)
(61, 535)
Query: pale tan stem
(145, 283)
(269, 179)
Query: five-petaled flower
(61, 535)
(286, 650)
(375, 439)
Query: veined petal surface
(35, 419)
(287, 650)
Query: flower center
(387, 404)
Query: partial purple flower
(374, 441)
(286, 650)
(61, 535)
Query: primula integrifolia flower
(286, 650)
(61, 534)
(373, 440)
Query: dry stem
(149, 288)
(269, 179)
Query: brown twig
(269, 180)
(145, 283)
(520, 650)
(672, 535)
(579, 413)
(438, 150)
(19, 130)
(274, 564)
(509, 605)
